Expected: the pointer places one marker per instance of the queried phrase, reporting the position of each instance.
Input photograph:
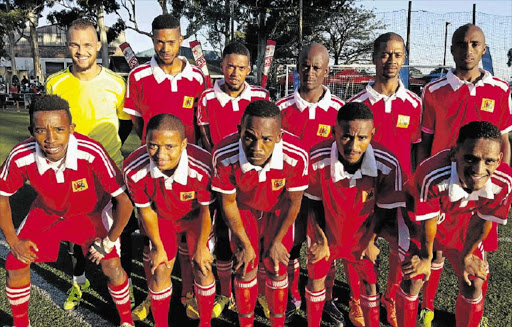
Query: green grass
(51, 280)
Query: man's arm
(477, 231)
(138, 124)
(202, 257)
(320, 249)
(420, 264)
(424, 147)
(206, 139)
(150, 222)
(125, 127)
(505, 148)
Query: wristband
(108, 244)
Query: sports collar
(224, 98)
(161, 76)
(375, 96)
(70, 162)
(456, 83)
(324, 103)
(276, 161)
(456, 192)
(180, 174)
(368, 166)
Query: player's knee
(438, 257)
(295, 252)
(368, 288)
(162, 277)
(113, 270)
(316, 285)
(18, 277)
(472, 291)
(411, 286)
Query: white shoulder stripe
(393, 161)
(142, 73)
(199, 165)
(20, 148)
(320, 150)
(139, 162)
(103, 156)
(437, 86)
(318, 153)
(321, 164)
(430, 177)
(219, 152)
(300, 152)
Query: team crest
(487, 105)
(79, 185)
(403, 121)
(187, 196)
(323, 130)
(367, 195)
(278, 184)
(188, 102)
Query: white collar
(180, 174)
(324, 103)
(224, 98)
(71, 160)
(368, 166)
(161, 76)
(456, 83)
(375, 96)
(276, 161)
(456, 192)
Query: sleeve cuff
(312, 197)
(492, 218)
(216, 189)
(203, 123)
(297, 188)
(427, 216)
(142, 205)
(391, 205)
(5, 193)
(206, 203)
(416, 141)
(506, 130)
(119, 191)
(132, 112)
(423, 129)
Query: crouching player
(75, 180)
(355, 185)
(169, 182)
(458, 193)
(261, 174)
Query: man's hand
(25, 251)
(371, 252)
(278, 254)
(99, 249)
(474, 266)
(156, 258)
(203, 259)
(318, 251)
(244, 256)
(417, 266)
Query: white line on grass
(54, 295)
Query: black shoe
(334, 313)
(291, 310)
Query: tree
(11, 20)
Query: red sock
(371, 310)
(121, 296)
(19, 298)
(160, 301)
(262, 277)
(406, 309)
(293, 278)
(469, 312)
(329, 281)
(430, 286)
(277, 296)
(224, 271)
(246, 294)
(205, 296)
(352, 280)
(187, 277)
(394, 276)
(314, 306)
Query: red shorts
(47, 231)
(491, 241)
(261, 227)
(365, 269)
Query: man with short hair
(96, 96)
(397, 115)
(75, 180)
(219, 112)
(309, 113)
(458, 194)
(261, 174)
(467, 93)
(169, 182)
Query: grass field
(50, 281)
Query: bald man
(467, 93)
(310, 112)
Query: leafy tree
(11, 20)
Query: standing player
(74, 179)
(465, 94)
(458, 194)
(169, 181)
(355, 185)
(309, 113)
(219, 112)
(96, 96)
(261, 174)
(166, 84)
(397, 114)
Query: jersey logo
(79, 185)
(403, 121)
(278, 184)
(323, 130)
(188, 102)
(187, 196)
(367, 196)
(487, 105)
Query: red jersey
(172, 197)
(82, 184)
(222, 112)
(397, 120)
(260, 188)
(151, 92)
(437, 192)
(449, 104)
(311, 122)
(349, 200)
